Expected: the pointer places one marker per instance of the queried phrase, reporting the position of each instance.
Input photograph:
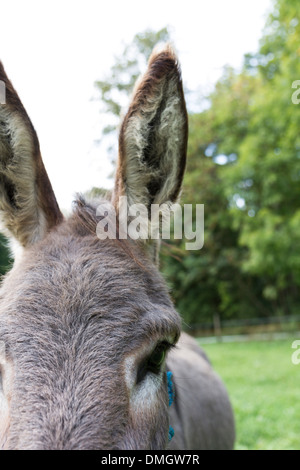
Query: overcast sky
(54, 51)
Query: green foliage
(267, 172)
(250, 263)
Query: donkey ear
(153, 136)
(28, 208)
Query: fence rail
(251, 326)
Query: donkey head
(85, 324)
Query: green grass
(264, 388)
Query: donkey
(87, 327)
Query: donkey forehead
(72, 288)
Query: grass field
(264, 387)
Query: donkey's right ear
(28, 207)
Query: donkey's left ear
(28, 207)
(153, 136)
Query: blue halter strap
(171, 393)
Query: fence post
(217, 327)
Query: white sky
(54, 51)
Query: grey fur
(78, 319)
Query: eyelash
(153, 364)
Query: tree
(266, 175)
(250, 263)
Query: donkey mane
(84, 221)
(84, 214)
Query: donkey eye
(154, 362)
(157, 358)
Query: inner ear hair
(28, 207)
(153, 136)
